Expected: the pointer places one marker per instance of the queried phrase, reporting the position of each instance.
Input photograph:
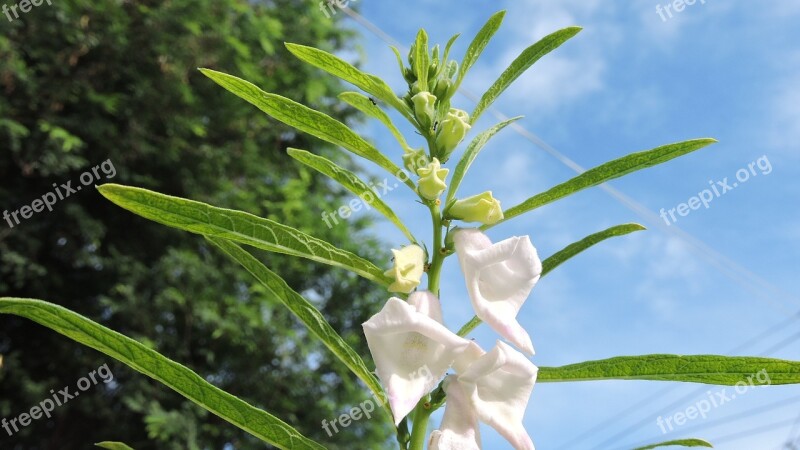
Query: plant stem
(421, 416)
(423, 410)
(438, 258)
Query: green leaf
(113, 445)
(304, 310)
(352, 183)
(238, 226)
(523, 62)
(172, 374)
(469, 156)
(443, 62)
(575, 248)
(679, 442)
(422, 59)
(304, 119)
(479, 43)
(706, 369)
(565, 254)
(605, 172)
(399, 58)
(363, 104)
(338, 67)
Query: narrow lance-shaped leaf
(177, 377)
(443, 62)
(113, 445)
(365, 105)
(338, 67)
(303, 310)
(479, 43)
(237, 226)
(422, 59)
(706, 369)
(589, 241)
(304, 119)
(523, 62)
(678, 443)
(567, 253)
(469, 156)
(352, 183)
(605, 172)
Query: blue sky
(632, 81)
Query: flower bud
(442, 89)
(451, 132)
(481, 208)
(409, 264)
(431, 180)
(424, 108)
(413, 160)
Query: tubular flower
(459, 428)
(414, 159)
(499, 279)
(493, 387)
(453, 129)
(431, 181)
(409, 264)
(411, 348)
(424, 108)
(481, 208)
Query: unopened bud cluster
(432, 80)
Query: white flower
(409, 265)
(499, 278)
(493, 387)
(411, 348)
(459, 428)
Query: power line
(648, 400)
(781, 344)
(724, 420)
(757, 285)
(752, 431)
(760, 287)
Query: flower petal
(499, 279)
(411, 348)
(409, 265)
(499, 384)
(459, 429)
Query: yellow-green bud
(442, 89)
(431, 180)
(451, 132)
(424, 108)
(414, 159)
(409, 265)
(481, 208)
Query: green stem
(421, 416)
(423, 410)
(436, 264)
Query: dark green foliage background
(85, 81)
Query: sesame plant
(421, 365)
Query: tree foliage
(88, 81)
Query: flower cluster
(493, 386)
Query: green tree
(88, 81)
